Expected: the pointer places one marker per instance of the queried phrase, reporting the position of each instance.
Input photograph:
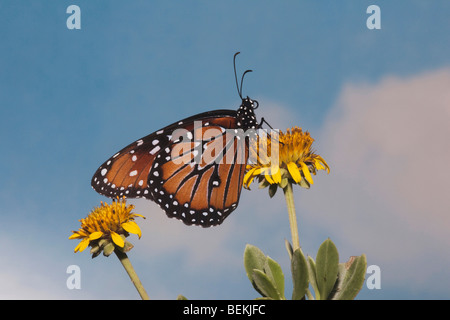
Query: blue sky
(375, 101)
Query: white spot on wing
(133, 173)
(155, 150)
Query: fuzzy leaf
(126, 247)
(103, 242)
(95, 249)
(312, 276)
(265, 285)
(300, 276)
(273, 190)
(254, 258)
(304, 184)
(327, 262)
(275, 274)
(284, 182)
(350, 278)
(108, 249)
(289, 248)
(263, 184)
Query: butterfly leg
(264, 121)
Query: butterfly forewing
(205, 189)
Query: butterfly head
(246, 114)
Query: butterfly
(193, 168)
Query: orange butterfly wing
(196, 176)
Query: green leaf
(95, 250)
(304, 184)
(265, 285)
(273, 189)
(103, 242)
(108, 249)
(327, 262)
(284, 182)
(289, 248)
(263, 184)
(275, 274)
(342, 271)
(300, 276)
(181, 297)
(126, 247)
(350, 278)
(312, 276)
(254, 258)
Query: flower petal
(306, 173)
(324, 163)
(137, 215)
(95, 235)
(318, 164)
(276, 174)
(294, 171)
(253, 172)
(75, 236)
(82, 245)
(132, 227)
(269, 179)
(117, 239)
(248, 178)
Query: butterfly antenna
(235, 75)
(242, 80)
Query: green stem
(289, 195)
(133, 275)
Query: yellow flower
(296, 161)
(106, 227)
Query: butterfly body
(193, 169)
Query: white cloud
(387, 194)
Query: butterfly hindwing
(126, 172)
